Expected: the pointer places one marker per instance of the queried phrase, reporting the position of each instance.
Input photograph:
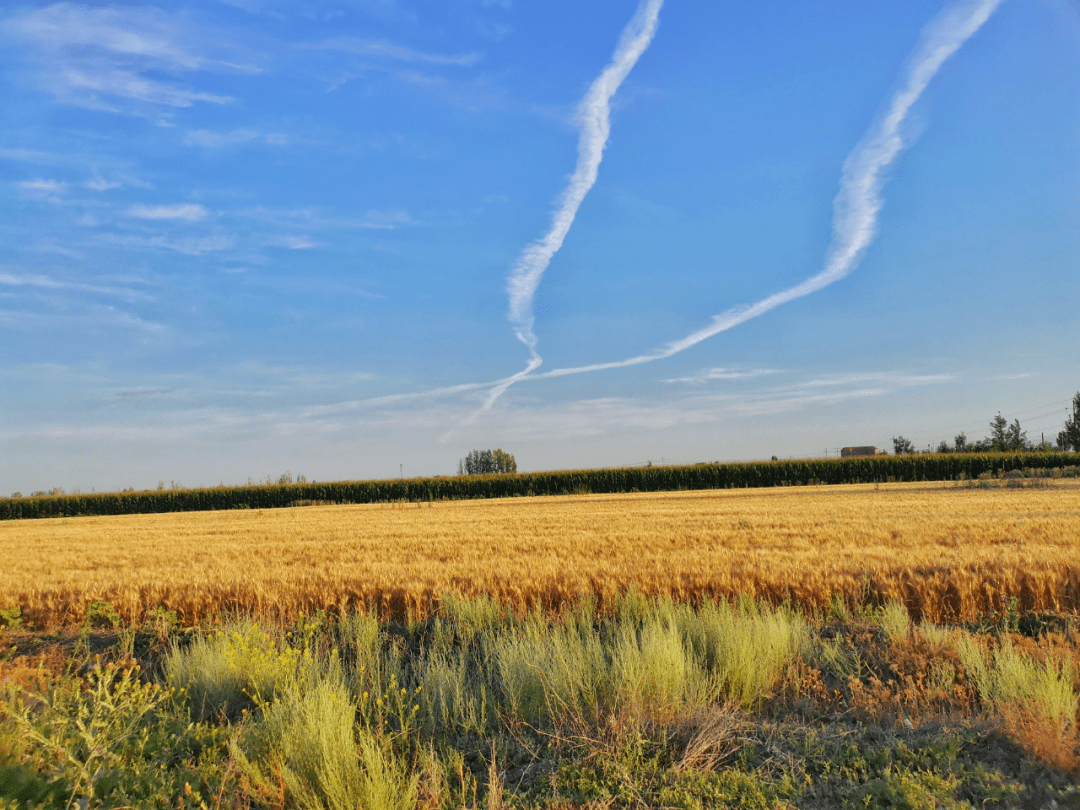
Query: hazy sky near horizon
(253, 236)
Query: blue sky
(254, 236)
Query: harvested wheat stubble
(948, 552)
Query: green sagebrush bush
(652, 658)
(307, 739)
(236, 668)
(1008, 680)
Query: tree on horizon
(485, 462)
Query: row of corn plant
(875, 469)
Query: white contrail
(594, 115)
(856, 206)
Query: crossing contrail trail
(594, 115)
(855, 207)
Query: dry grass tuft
(712, 736)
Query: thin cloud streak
(857, 205)
(192, 246)
(312, 218)
(724, 374)
(37, 280)
(189, 212)
(97, 318)
(97, 184)
(34, 156)
(380, 48)
(294, 243)
(216, 140)
(394, 399)
(49, 186)
(595, 116)
(885, 377)
(144, 393)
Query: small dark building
(848, 452)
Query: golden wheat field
(949, 552)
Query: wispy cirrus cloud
(42, 190)
(41, 281)
(35, 156)
(382, 219)
(137, 33)
(608, 416)
(682, 421)
(723, 374)
(384, 9)
(59, 250)
(381, 49)
(103, 317)
(349, 58)
(98, 184)
(325, 10)
(188, 212)
(49, 186)
(29, 279)
(112, 58)
(91, 88)
(315, 219)
(144, 393)
(190, 246)
(217, 140)
(108, 172)
(892, 379)
(773, 399)
(294, 242)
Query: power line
(1056, 426)
(1061, 402)
(1023, 423)
(1048, 413)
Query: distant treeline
(874, 469)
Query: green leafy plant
(163, 621)
(79, 728)
(11, 618)
(102, 613)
